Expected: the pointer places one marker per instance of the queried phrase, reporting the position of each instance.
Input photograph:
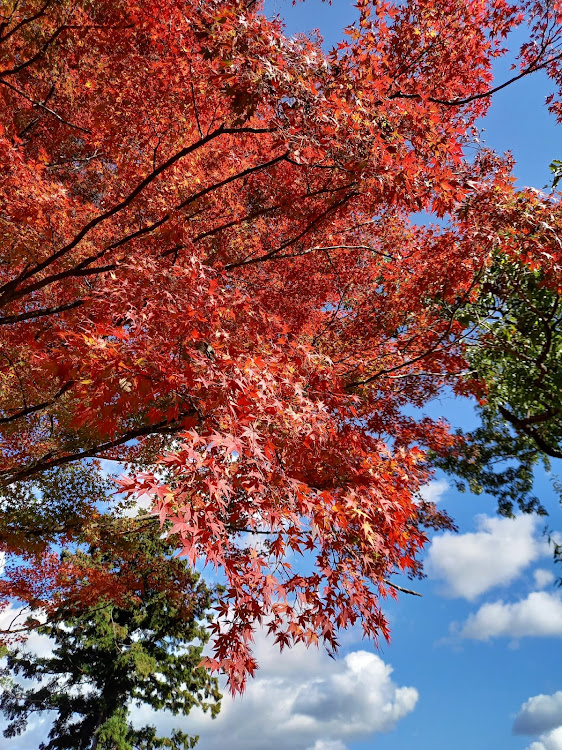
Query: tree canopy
(145, 649)
(210, 274)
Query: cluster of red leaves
(206, 256)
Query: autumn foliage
(209, 273)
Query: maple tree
(209, 274)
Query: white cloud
(495, 554)
(327, 745)
(301, 700)
(539, 714)
(37, 732)
(540, 614)
(549, 741)
(543, 578)
(132, 508)
(14, 617)
(38, 726)
(434, 491)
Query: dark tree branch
(7, 291)
(232, 178)
(32, 409)
(43, 106)
(483, 94)
(195, 109)
(48, 462)
(272, 255)
(338, 247)
(434, 348)
(7, 319)
(25, 21)
(78, 270)
(39, 54)
(523, 426)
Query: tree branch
(32, 409)
(8, 293)
(399, 588)
(483, 94)
(43, 106)
(7, 290)
(524, 427)
(7, 319)
(25, 21)
(40, 53)
(48, 462)
(273, 254)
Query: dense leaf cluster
(209, 274)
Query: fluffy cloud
(539, 714)
(434, 491)
(495, 554)
(550, 741)
(543, 578)
(540, 614)
(301, 700)
(12, 618)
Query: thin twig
(400, 588)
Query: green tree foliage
(515, 352)
(143, 645)
(51, 508)
(556, 169)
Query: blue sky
(470, 660)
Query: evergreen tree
(142, 642)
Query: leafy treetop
(208, 273)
